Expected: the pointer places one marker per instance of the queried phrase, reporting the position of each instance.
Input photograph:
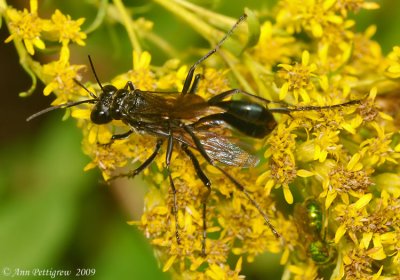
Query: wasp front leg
(116, 137)
(121, 136)
(144, 165)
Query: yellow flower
(175, 77)
(377, 150)
(60, 77)
(357, 264)
(212, 83)
(67, 29)
(352, 217)
(366, 54)
(141, 75)
(217, 272)
(304, 271)
(272, 47)
(345, 6)
(342, 157)
(297, 78)
(282, 161)
(27, 26)
(313, 16)
(393, 70)
(342, 180)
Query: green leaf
(44, 183)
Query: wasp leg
(204, 200)
(287, 111)
(195, 84)
(117, 137)
(145, 164)
(252, 200)
(189, 77)
(121, 136)
(220, 97)
(129, 85)
(168, 155)
(200, 148)
(314, 108)
(210, 118)
(197, 143)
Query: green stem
(189, 13)
(251, 66)
(128, 24)
(231, 61)
(161, 43)
(99, 17)
(219, 20)
(24, 58)
(32, 75)
(208, 32)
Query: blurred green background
(53, 215)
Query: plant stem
(128, 24)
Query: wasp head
(101, 112)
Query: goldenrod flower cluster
(338, 166)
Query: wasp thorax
(117, 104)
(101, 112)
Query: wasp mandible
(184, 119)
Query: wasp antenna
(313, 108)
(94, 72)
(189, 76)
(65, 105)
(85, 88)
(221, 42)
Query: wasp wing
(188, 109)
(221, 149)
(172, 105)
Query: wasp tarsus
(184, 118)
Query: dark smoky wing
(221, 149)
(159, 101)
(175, 105)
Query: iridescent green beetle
(309, 219)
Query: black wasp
(184, 119)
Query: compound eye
(100, 116)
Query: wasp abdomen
(250, 118)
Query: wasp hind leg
(251, 199)
(170, 147)
(238, 185)
(206, 195)
(221, 96)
